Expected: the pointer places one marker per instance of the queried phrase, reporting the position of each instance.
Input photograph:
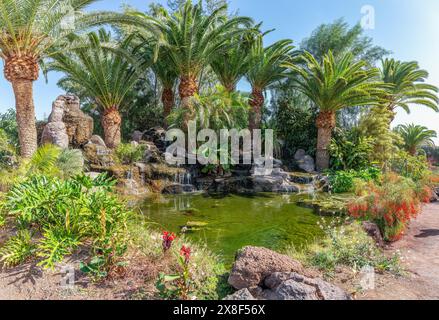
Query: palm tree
(415, 137)
(231, 63)
(407, 86)
(30, 31)
(267, 66)
(332, 85)
(192, 38)
(106, 72)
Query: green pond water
(230, 222)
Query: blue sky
(409, 28)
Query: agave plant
(332, 85)
(106, 72)
(406, 86)
(30, 31)
(267, 66)
(415, 137)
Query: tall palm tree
(332, 85)
(106, 72)
(231, 63)
(267, 66)
(30, 31)
(192, 38)
(407, 86)
(415, 137)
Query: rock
(95, 139)
(157, 135)
(152, 153)
(55, 133)
(241, 295)
(304, 161)
(373, 231)
(137, 136)
(79, 125)
(178, 189)
(67, 118)
(291, 290)
(98, 155)
(293, 286)
(254, 264)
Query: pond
(227, 223)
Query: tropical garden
(102, 195)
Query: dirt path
(419, 250)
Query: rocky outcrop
(68, 125)
(304, 161)
(254, 264)
(262, 274)
(97, 154)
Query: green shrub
(70, 213)
(413, 167)
(346, 244)
(344, 181)
(130, 153)
(18, 249)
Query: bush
(346, 244)
(18, 249)
(391, 204)
(344, 181)
(413, 167)
(68, 213)
(130, 153)
(350, 151)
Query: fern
(17, 249)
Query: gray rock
(291, 290)
(241, 295)
(55, 133)
(137, 136)
(322, 290)
(304, 161)
(254, 264)
(97, 140)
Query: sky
(408, 28)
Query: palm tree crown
(407, 85)
(332, 85)
(105, 71)
(415, 137)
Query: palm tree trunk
(111, 123)
(187, 89)
(256, 102)
(168, 101)
(22, 71)
(24, 105)
(325, 123)
(230, 87)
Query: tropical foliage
(415, 137)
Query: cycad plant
(415, 137)
(30, 31)
(192, 38)
(406, 86)
(267, 66)
(332, 85)
(106, 71)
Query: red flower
(186, 253)
(168, 238)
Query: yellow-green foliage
(345, 244)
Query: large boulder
(294, 286)
(97, 154)
(55, 133)
(67, 119)
(254, 264)
(304, 161)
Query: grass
(345, 245)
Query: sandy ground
(419, 250)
